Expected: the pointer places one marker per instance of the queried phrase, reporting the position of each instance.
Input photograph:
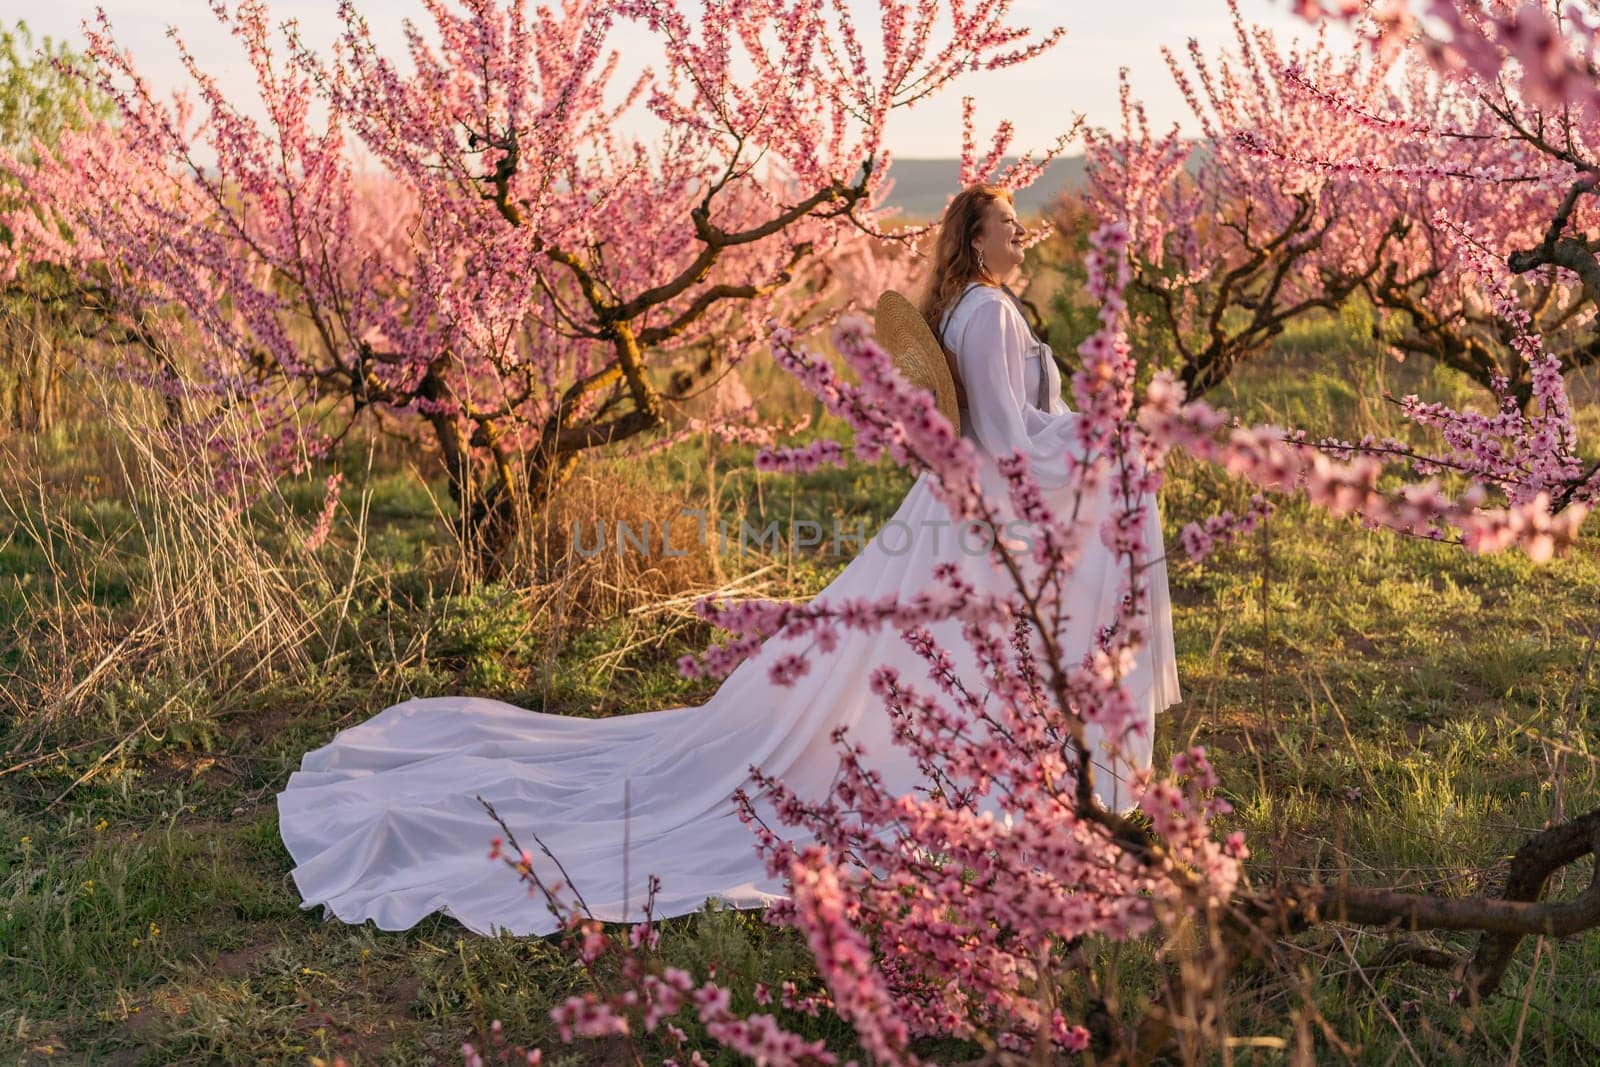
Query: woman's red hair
(955, 262)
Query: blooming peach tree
(461, 243)
(1318, 183)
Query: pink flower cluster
(1555, 60)
(1200, 539)
(642, 995)
(324, 524)
(1272, 458)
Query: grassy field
(1383, 709)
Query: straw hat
(917, 353)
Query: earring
(982, 267)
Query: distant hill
(922, 186)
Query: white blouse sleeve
(990, 347)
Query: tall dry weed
(146, 592)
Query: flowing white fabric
(383, 821)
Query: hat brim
(917, 354)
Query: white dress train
(383, 824)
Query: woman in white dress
(384, 823)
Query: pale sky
(1040, 97)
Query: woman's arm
(990, 350)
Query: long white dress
(383, 821)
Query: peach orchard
(458, 244)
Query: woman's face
(999, 239)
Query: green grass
(1391, 709)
